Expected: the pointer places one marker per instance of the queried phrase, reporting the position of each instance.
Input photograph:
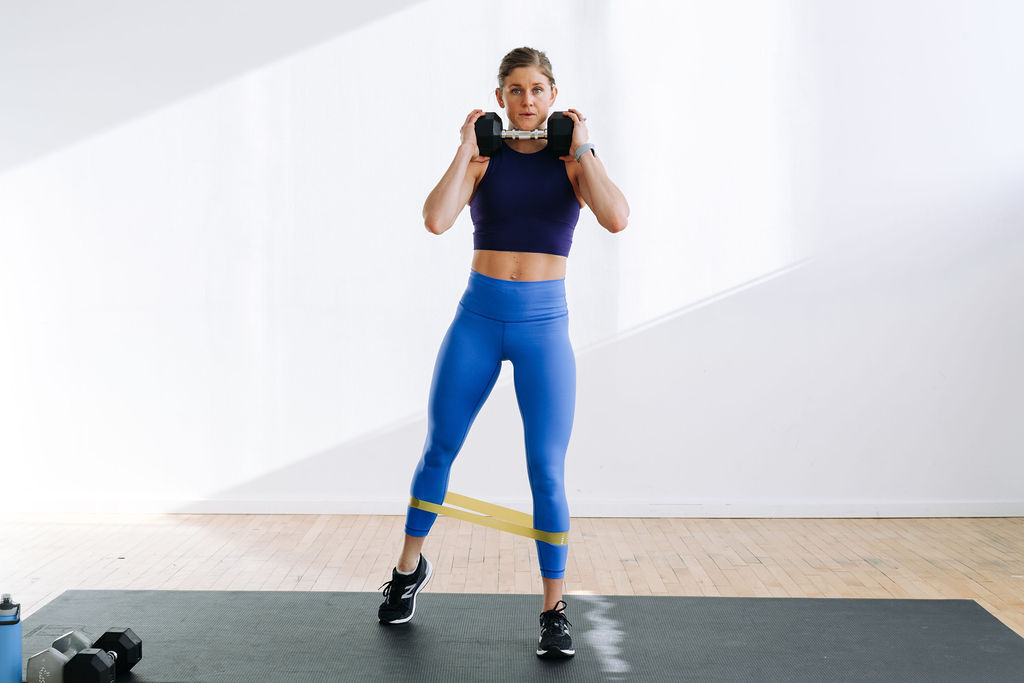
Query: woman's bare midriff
(526, 266)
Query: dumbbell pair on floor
(72, 660)
(558, 134)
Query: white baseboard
(396, 506)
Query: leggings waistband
(514, 300)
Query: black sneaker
(555, 641)
(401, 591)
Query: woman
(524, 202)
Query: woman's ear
(554, 94)
(497, 96)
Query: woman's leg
(410, 553)
(552, 593)
(545, 381)
(467, 366)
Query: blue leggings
(528, 324)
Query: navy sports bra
(524, 202)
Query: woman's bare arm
(446, 200)
(603, 197)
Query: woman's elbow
(433, 223)
(617, 223)
(621, 217)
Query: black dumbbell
(124, 644)
(558, 134)
(71, 660)
(91, 665)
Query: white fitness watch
(582, 149)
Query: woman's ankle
(407, 567)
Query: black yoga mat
(219, 636)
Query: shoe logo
(409, 591)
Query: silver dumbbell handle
(524, 134)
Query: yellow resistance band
(495, 516)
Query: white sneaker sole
(555, 654)
(426, 579)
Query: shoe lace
(390, 595)
(394, 588)
(555, 618)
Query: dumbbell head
(70, 643)
(488, 133)
(560, 129)
(46, 666)
(125, 644)
(91, 665)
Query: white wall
(216, 292)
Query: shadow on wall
(371, 474)
(795, 391)
(328, 482)
(136, 57)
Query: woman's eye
(515, 91)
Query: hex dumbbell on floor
(48, 666)
(72, 660)
(91, 665)
(558, 134)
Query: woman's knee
(548, 479)
(437, 456)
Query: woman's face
(526, 97)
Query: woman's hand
(580, 134)
(468, 133)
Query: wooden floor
(977, 559)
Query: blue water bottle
(10, 641)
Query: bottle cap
(9, 610)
